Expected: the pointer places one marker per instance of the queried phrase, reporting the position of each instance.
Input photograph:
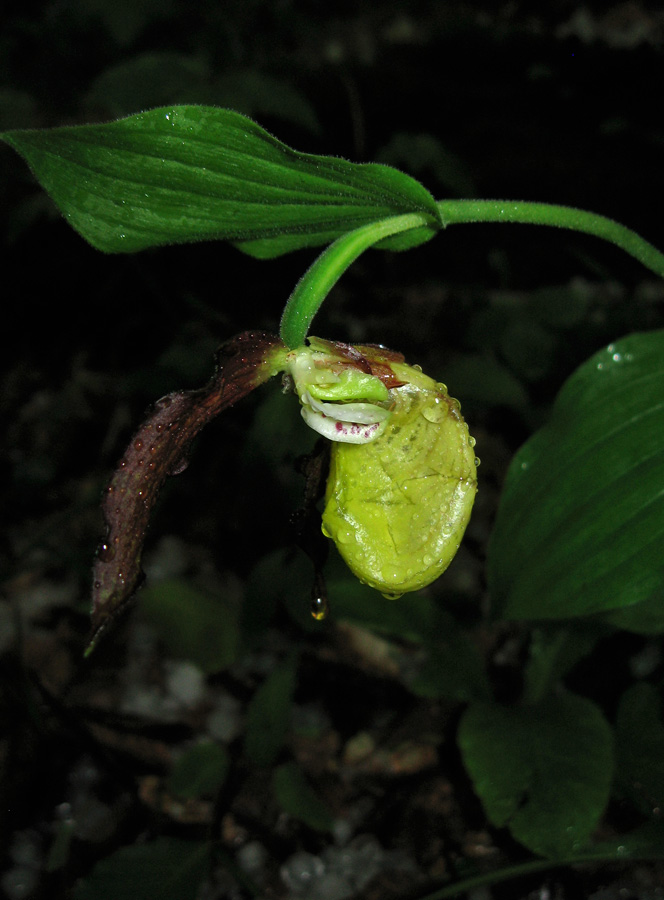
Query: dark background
(557, 102)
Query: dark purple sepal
(158, 449)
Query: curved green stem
(456, 211)
(532, 867)
(323, 274)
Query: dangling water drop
(319, 607)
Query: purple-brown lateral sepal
(158, 449)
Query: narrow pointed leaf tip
(190, 173)
(158, 449)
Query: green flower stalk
(403, 472)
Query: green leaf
(189, 173)
(640, 746)
(200, 771)
(297, 798)
(544, 771)
(268, 714)
(580, 527)
(164, 869)
(192, 625)
(646, 617)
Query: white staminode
(351, 423)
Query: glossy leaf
(580, 528)
(190, 173)
(542, 770)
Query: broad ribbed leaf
(188, 173)
(544, 771)
(580, 528)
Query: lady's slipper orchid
(403, 470)
(402, 477)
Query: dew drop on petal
(435, 411)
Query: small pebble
(225, 721)
(185, 682)
(301, 871)
(252, 858)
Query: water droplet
(436, 411)
(138, 444)
(471, 441)
(319, 608)
(427, 560)
(477, 461)
(179, 466)
(105, 552)
(417, 368)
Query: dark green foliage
(190, 173)
(581, 522)
(543, 770)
